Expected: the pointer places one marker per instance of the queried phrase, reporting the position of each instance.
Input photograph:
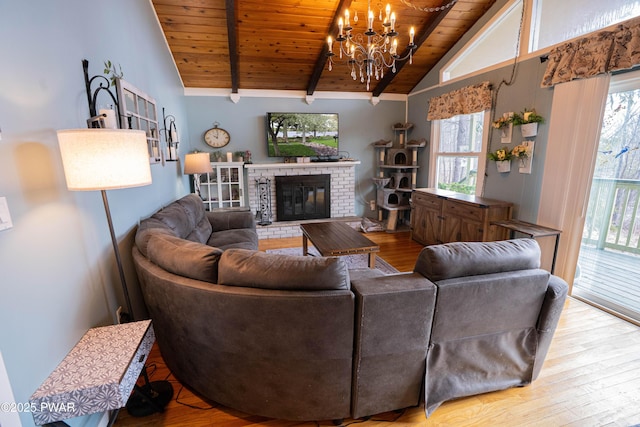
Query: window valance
(599, 53)
(466, 100)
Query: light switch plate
(5, 216)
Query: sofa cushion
(254, 269)
(460, 259)
(183, 257)
(236, 238)
(185, 218)
(199, 228)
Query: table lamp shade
(196, 163)
(103, 159)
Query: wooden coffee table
(336, 238)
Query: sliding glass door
(608, 268)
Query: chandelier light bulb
(369, 53)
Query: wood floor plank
(591, 377)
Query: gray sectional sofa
(304, 338)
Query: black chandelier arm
(360, 55)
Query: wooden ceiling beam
(425, 32)
(322, 57)
(233, 44)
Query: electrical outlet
(118, 314)
(372, 205)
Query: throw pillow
(185, 258)
(254, 269)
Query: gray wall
(57, 273)
(360, 123)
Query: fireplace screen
(303, 197)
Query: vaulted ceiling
(281, 44)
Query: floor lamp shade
(103, 159)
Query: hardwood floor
(591, 376)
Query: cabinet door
(471, 231)
(425, 220)
(433, 227)
(462, 222)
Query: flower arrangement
(502, 122)
(500, 155)
(520, 152)
(527, 116)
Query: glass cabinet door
(224, 187)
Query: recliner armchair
(495, 314)
(473, 317)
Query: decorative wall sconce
(170, 136)
(105, 118)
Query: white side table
(97, 375)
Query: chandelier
(370, 53)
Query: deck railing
(612, 217)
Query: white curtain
(574, 134)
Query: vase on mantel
(503, 166)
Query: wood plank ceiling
(281, 44)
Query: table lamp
(195, 164)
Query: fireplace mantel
(307, 165)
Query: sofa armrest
(548, 320)
(226, 220)
(394, 315)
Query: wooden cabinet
(224, 187)
(441, 216)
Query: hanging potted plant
(502, 157)
(528, 122)
(521, 152)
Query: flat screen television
(302, 135)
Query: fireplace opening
(301, 197)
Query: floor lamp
(109, 159)
(106, 159)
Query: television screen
(302, 134)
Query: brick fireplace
(342, 189)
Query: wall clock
(217, 137)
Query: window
(494, 44)
(545, 23)
(556, 21)
(457, 159)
